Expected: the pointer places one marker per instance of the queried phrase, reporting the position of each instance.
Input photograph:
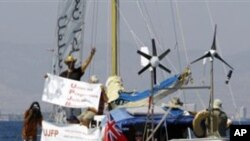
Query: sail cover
(135, 96)
(123, 117)
(70, 23)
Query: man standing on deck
(75, 74)
(221, 122)
(86, 117)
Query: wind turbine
(154, 61)
(212, 54)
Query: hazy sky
(27, 30)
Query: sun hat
(70, 58)
(175, 102)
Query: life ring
(199, 127)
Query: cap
(217, 104)
(94, 79)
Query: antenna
(154, 61)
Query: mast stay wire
(218, 46)
(181, 31)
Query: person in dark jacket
(32, 120)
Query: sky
(28, 31)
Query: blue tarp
(135, 96)
(174, 117)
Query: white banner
(71, 93)
(70, 132)
(70, 25)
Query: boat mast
(114, 37)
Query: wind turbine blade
(214, 41)
(164, 54)
(208, 54)
(164, 68)
(143, 69)
(216, 55)
(154, 73)
(144, 54)
(154, 48)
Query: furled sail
(70, 24)
(69, 39)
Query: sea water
(11, 131)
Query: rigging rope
(182, 33)
(135, 37)
(176, 43)
(137, 40)
(179, 23)
(151, 33)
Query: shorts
(89, 115)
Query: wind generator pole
(151, 103)
(114, 36)
(211, 113)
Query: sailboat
(161, 123)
